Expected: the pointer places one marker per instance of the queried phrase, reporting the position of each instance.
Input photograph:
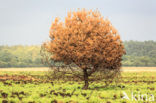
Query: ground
(137, 85)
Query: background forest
(137, 54)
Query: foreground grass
(30, 87)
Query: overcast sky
(27, 22)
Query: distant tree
(86, 40)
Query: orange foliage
(87, 40)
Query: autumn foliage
(87, 40)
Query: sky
(27, 22)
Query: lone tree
(86, 40)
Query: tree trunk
(85, 79)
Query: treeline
(20, 56)
(140, 53)
(137, 54)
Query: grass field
(29, 85)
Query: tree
(87, 40)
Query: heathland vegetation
(34, 87)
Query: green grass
(40, 91)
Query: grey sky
(27, 22)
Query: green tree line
(20, 56)
(140, 53)
(137, 54)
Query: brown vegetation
(88, 41)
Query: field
(30, 85)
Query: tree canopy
(85, 38)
